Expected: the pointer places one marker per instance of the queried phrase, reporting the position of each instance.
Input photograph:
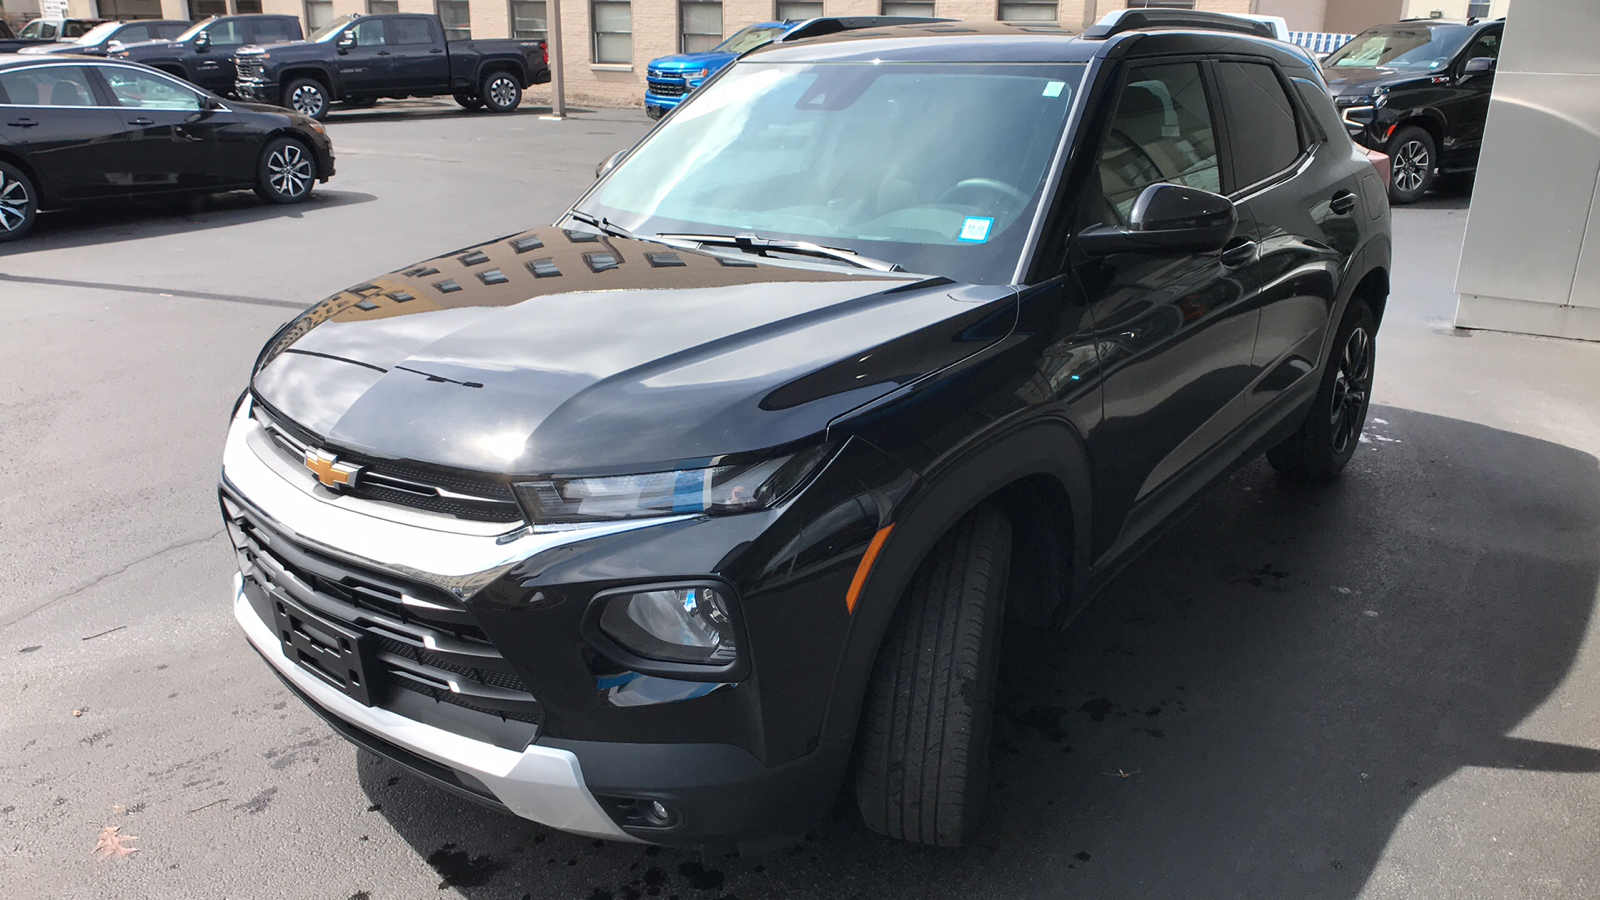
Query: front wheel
(19, 203)
(1327, 439)
(469, 102)
(286, 172)
(923, 770)
(1413, 158)
(501, 92)
(307, 97)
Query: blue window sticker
(975, 230)
(1053, 88)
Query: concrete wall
(1531, 260)
(1302, 15)
(1352, 16)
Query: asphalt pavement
(1389, 688)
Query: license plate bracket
(334, 653)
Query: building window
(1027, 11)
(1477, 10)
(248, 7)
(204, 9)
(613, 32)
(383, 7)
(702, 25)
(318, 14)
(796, 10)
(456, 17)
(528, 21)
(1161, 4)
(908, 8)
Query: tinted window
(1162, 132)
(370, 33)
(48, 86)
(1265, 139)
(133, 34)
(141, 90)
(1487, 44)
(166, 32)
(227, 34)
(75, 29)
(412, 31)
(273, 31)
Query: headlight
(717, 490)
(697, 73)
(675, 625)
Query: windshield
(749, 38)
(98, 33)
(327, 31)
(937, 167)
(1401, 46)
(195, 29)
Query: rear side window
(272, 31)
(412, 31)
(1261, 123)
(1161, 132)
(133, 34)
(48, 86)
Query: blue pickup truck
(670, 78)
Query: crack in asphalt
(112, 574)
(160, 292)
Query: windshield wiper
(608, 227)
(750, 243)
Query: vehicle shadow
(408, 111)
(1248, 710)
(116, 220)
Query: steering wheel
(988, 184)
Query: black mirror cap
(209, 102)
(1167, 218)
(1479, 65)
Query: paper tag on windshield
(976, 229)
(1053, 88)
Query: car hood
(291, 49)
(688, 62)
(1355, 80)
(555, 352)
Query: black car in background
(74, 130)
(107, 36)
(359, 59)
(1419, 91)
(662, 523)
(203, 55)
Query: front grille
(249, 67)
(464, 496)
(668, 90)
(416, 638)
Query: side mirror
(208, 102)
(347, 40)
(1167, 218)
(1478, 65)
(113, 46)
(202, 42)
(609, 163)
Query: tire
(501, 92)
(308, 97)
(19, 203)
(922, 773)
(1412, 160)
(469, 102)
(287, 171)
(1327, 439)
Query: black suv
(659, 524)
(1418, 91)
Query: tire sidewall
(1403, 137)
(297, 87)
(1329, 463)
(487, 95)
(30, 212)
(264, 174)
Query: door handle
(383, 53)
(1342, 202)
(141, 121)
(1238, 252)
(436, 50)
(23, 123)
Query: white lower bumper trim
(540, 783)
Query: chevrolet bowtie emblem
(330, 471)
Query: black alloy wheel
(307, 97)
(1412, 159)
(287, 171)
(19, 203)
(1323, 445)
(500, 92)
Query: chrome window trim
(1054, 174)
(103, 64)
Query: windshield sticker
(1053, 88)
(975, 230)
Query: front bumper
(256, 90)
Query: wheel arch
(1035, 470)
(11, 157)
(315, 73)
(1429, 120)
(490, 66)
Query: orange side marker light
(867, 559)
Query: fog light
(683, 625)
(658, 811)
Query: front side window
(140, 90)
(1027, 11)
(411, 31)
(903, 162)
(1401, 47)
(528, 20)
(1161, 132)
(613, 32)
(1264, 137)
(1486, 44)
(456, 17)
(908, 8)
(227, 33)
(702, 25)
(47, 86)
(39, 28)
(370, 33)
(799, 10)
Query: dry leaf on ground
(113, 844)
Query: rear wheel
(1328, 438)
(19, 203)
(308, 97)
(1412, 159)
(286, 172)
(471, 102)
(500, 92)
(923, 769)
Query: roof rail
(836, 24)
(1137, 19)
